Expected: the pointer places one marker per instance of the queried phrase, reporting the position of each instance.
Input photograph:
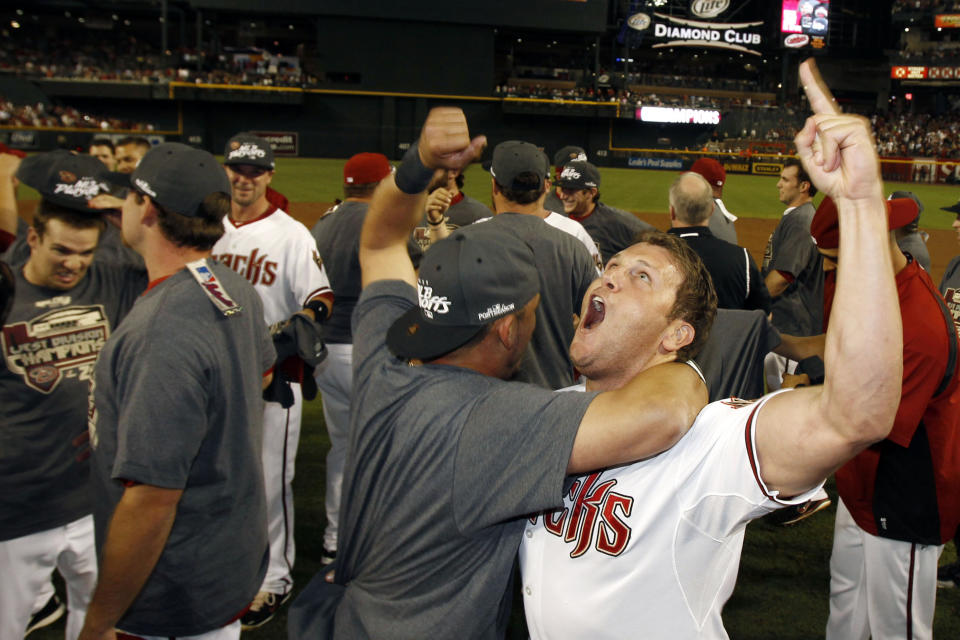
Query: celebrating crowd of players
(154, 376)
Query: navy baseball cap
(954, 208)
(579, 175)
(65, 179)
(513, 157)
(177, 177)
(569, 154)
(246, 148)
(478, 274)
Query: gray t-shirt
(913, 244)
(799, 309)
(732, 358)
(566, 272)
(612, 229)
(338, 240)
(442, 465)
(721, 226)
(50, 344)
(177, 404)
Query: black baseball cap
(7, 288)
(568, 154)
(478, 274)
(65, 179)
(246, 148)
(177, 177)
(513, 157)
(579, 175)
(955, 208)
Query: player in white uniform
(651, 550)
(279, 257)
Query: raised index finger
(821, 100)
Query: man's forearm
(776, 283)
(137, 534)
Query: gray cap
(178, 178)
(579, 175)
(246, 148)
(466, 281)
(569, 154)
(65, 179)
(513, 157)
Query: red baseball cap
(366, 168)
(825, 226)
(710, 169)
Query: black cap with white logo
(579, 175)
(246, 148)
(468, 280)
(176, 177)
(66, 179)
(569, 154)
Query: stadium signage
(947, 20)
(796, 40)
(683, 32)
(283, 143)
(708, 8)
(672, 115)
(767, 168)
(673, 164)
(736, 167)
(925, 73)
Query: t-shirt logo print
(57, 344)
(430, 303)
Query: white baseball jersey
(279, 257)
(651, 549)
(576, 229)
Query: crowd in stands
(627, 98)
(917, 135)
(43, 115)
(924, 5)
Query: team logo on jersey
(952, 298)
(738, 403)
(55, 301)
(59, 344)
(318, 260)
(254, 267)
(595, 519)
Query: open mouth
(596, 310)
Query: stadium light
(14, 24)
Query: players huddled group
(552, 382)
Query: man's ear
(507, 331)
(678, 335)
(673, 214)
(33, 238)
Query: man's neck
(352, 199)
(799, 201)
(249, 212)
(591, 207)
(164, 258)
(532, 209)
(620, 377)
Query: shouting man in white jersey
(652, 549)
(279, 257)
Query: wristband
(412, 176)
(319, 309)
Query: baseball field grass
(782, 591)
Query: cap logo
(85, 188)
(569, 173)
(68, 176)
(496, 311)
(431, 304)
(246, 150)
(234, 144)
(144, 186)
(579, 157)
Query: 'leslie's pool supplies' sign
(672, 31)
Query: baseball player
(103, 150)
(448, 205)
(721, 220)
(338, 239)
(651, 549)
(566, 154)
(129, 151)
(610, 228)
(444, 454)
(65, 308)
(175, 421)
(909, 237)
(279, 257)
(898, 500)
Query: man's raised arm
(398, 203)
(802, 436)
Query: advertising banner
(284, 143)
